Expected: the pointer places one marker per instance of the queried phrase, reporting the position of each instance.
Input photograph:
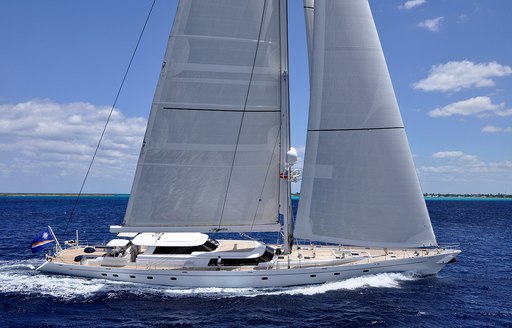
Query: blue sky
(62, 62)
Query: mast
(284, 184)
(309, 15)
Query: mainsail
(212, 151)
(359, 182)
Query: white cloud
(301, 150)
(412, 3)
(506, 112)
(450, 162)
(42, 139)
(457, 172)
(454, 76)
(5, 170)
(491, 129)
(495, 129)
(478, 167)
(458, 155)
(463, 18)
(433, 25)
(470, 106)
(440, 169)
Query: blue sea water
(474, 292)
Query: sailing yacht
(216, 159)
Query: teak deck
(301, 256)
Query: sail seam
(224, 110)
(356, 129)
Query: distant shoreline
(58, 195)
(479, 196)
(456, 196)
(427, 196)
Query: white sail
(211, 155)
(359, 183)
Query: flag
(42, 240)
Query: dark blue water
(474, 292)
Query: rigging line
(243, 113)
(243, 234)
(266, 177)
(108, 118)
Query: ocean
(476, 291)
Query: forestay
(210, 158)
(359, 182)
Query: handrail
(449, 246)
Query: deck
(301, 257)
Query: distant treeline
(293, 194)
(454, 195)
(54, 194)
(469, 195)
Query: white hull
(422, 265)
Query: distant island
(60, 195)
(432, 195)
(294, 194)
(429, 195)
